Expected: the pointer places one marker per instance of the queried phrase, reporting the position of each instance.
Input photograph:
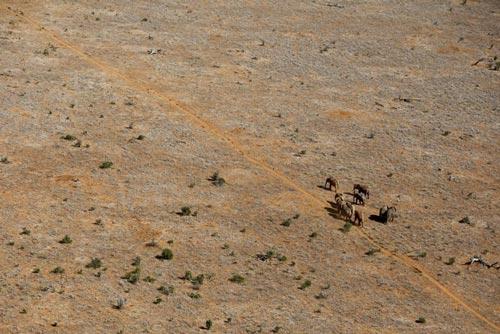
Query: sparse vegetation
(166, 254)
(166, 290)
(57, 270)
(450, 261)
(420, 320)
(132, 276)
(95, 263)
(346, 228)
(194, 295)
(105, 165)
(120, 303)
(236, 278)
(25, 231)
(307, 283)
(208, 325)
(217, 180)
(66, 240)
(372, 251)
(69, 137)
(185, 211)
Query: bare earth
(275, 96)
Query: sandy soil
(274, 96)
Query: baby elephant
(331, 182)
(358, 199)
(387, 214)
(359, 218)
(361, 189)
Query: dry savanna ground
(114, 116)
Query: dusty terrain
(274, 96)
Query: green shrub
(105, 164)
(346, 228)
(57, 270)
(166, 290)
(132, 276)
(66, 240)
(166, 254)
(420, 320)
(236, 278)
(95, 263)
(307, 283)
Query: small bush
(68, 137)
(346, 228)
(149, 279)
(66, 240)
(372, 251)
(185, 211)
(166, 290)
(313, 235)
(208, 324)
(237, 279)
(166, 254)
(133, 276)
(307, 283)
(194, 295)
(286, 222)
(158, 300)
(57, 270)
(420, 320)
(25, 231)
(95, 263)
(105, 165)
(4, 160)
(120, 303)
(450, 261)
(36, 271)
(217, 180)
(136, 262)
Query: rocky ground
(114, 116)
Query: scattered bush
(372, 251)
(217, 180)
(105, 165)
(208, 325)
(420, 320)
(136, 262)
(120, 303)
(166, 290)
(307, 283)
(66, 240)
(57, 270)
(149, 279)
(346, 228)
(158, 300)
(25, 231)
(236, 278)
(166, 254)
(132, 276)
(185, 211)
(68, 137)
(95, 263)
(450, 261)
(194, 295)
